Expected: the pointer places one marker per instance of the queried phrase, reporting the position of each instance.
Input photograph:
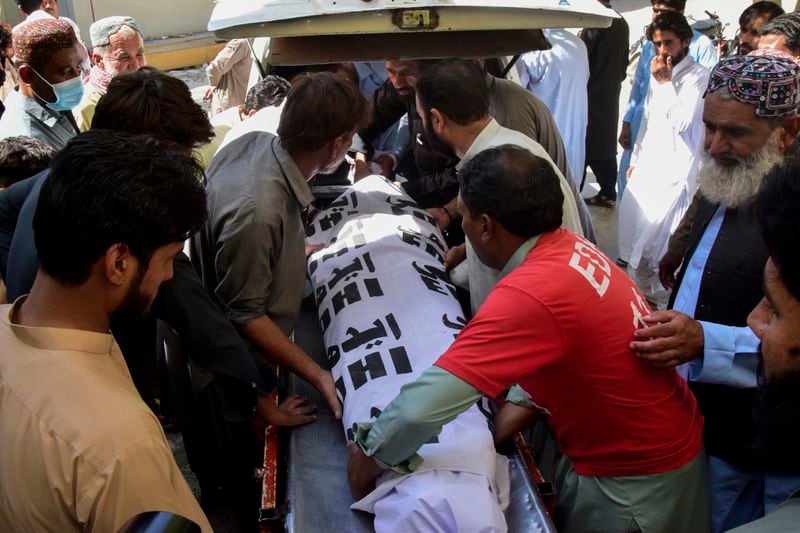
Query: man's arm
(640, 79)
(142, 478)
(435, 188)
(244, 274)
(677, 247)
(267, 338)
(681, 106)
(718, 354)
(387, 109)
(418, 413)
(11, 200)
(233, 52)
(490, 354)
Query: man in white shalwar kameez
(558, 77)
(664, 164)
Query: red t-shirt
(560, 325)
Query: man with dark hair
(782, 34)
(664, 163)
(148, 101)
(701, 50)
(46, 55)
(208, 338)
(163, 112)
(264, 101)
(21, 158)
(251, 252)
(776, 322)
(26, 7)
(453, 102)
(430, 166)
(750, 22)
(93, 455)
(643, 467)
(747, 134)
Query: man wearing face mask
(49, 65)
(117, 47)
(251, 251)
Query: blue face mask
(68, 93)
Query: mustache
(736, 181)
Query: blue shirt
(730, 354)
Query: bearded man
(117, 47)
(751, 120)
(664, 163)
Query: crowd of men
(668, 379)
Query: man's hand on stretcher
(362, 471)
(291, 412)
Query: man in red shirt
(631, 434)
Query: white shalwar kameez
(558, 77)
(663, 181)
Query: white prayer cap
(100, 31)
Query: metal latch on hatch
(416, 19)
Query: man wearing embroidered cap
(117, 47)
(49, 64)
(751, 122)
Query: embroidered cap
(767, 79)
(36, 42)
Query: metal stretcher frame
(317, 496)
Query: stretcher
(305, 481)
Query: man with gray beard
(751, 121)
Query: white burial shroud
(388, 311)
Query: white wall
(156, 18)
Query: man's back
(80, 450)
(542, 324)
(518, 109)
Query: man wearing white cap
(117, 47)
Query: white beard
(734, 186)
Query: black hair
(778, 212)
(271, 91)
(21, 157)
(153, 102)
(457, 88)
(760, 9)
(677, 5)
(109, 187)
(787, 25)
(519, 190)
(319, 108)
(670, 21)
(5, 40)
(29, 6)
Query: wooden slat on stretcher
(270, 516)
